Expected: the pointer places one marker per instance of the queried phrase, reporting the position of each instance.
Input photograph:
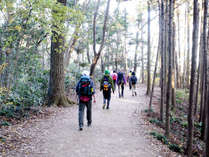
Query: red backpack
(114, 77)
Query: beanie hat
(107, 72)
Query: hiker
(85, 90)
(128, 79)
(121, 81)
(114, 78)
(106, 85)
(133, 81)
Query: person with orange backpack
(106, 85)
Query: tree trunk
(56, 91)
(188, 46)
(197, 91)
(179, 55)
(148, 52)
(136, 49)
(168, 92)
(206, 48)
(97, 54)
(142, 50)
(162, 31)
(193, 76)
(102, 65)
(173, 82)
(154, 75)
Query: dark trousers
(130, 84)
(107, 97)
(114, 82)
(121, 90)
(81, 112)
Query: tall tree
(56, 91)
(162, 100)
(168, 92)
(148, 50)
(205, 50)
(97, 54)
(193, 76)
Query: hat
(107, 72)
(85, 73)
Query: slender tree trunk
(162, 100)
(88, 55)
(154, 75)
(173, 82)
(197, 91)
(148, 52)
(168, 92)
(188, 45)
(178, 55)
(142, 51)
(193, 76)
(97, 54)
(102, 65)
(206, 50)
(136, 49)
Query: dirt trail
(117, 132)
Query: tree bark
(162, 100)
(97, 54)
(188, 46)
(154, 75)
(142, 50)
(173, 82)
(148, 51)
(136, 51)
(56, 91)
(168, 92)
(193, 76)
(206, 48)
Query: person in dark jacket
(106, 85)
(133, 81)
(121, 81)
(85, 90)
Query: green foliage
(164, 140)
(198, 125)
(159, 137)
(184, 124)
(5, 123)
(156, 121)
(148, 110)
(175, 148)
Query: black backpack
(120, 78)
(133, 79)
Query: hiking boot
(103, 106)
(89, 124)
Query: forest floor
(121, 131)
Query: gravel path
(114, 133)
